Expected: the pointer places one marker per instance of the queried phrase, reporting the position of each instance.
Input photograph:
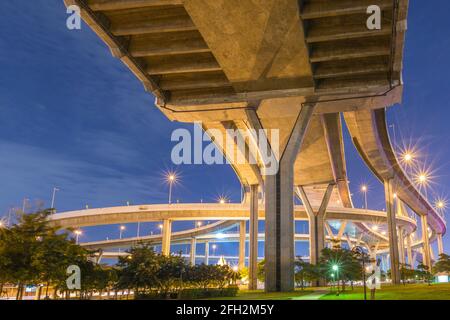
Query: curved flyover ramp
(204, 211)
(175, 237)
(155, 240)
(371, 138)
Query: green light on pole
(335, 268)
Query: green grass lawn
(261, 295)
(401, 292)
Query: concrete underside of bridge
(294, 66)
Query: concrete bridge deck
(204, 211)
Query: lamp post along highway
(77, 235)
(171, 179)
(364, 191)
(53, 199)
(25, 200)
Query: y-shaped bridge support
(279, 207)
(316, 222)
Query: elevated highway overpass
(286, 65)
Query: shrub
(197, 293)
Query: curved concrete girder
(247, 171)
(278, 106)
(332, 127)
(175, 236)
(157, 239)
(371, 138)
(415, 245)
(203, 211)
(313, 165)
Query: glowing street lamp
(364, 190)
(77, 235)
(335, 268)
(199, 224)
(214, 247)
(408, 157)
(160, 226)
(222, 200)
(171, 179)
(441, 205)
(423, 179)
(121, 230)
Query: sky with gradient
(73, 116)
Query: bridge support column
(206, 252)
(440, 243)
(279, 208)
(253, 240)
(414, 258)
(242, 235)
(384, 264)
(409, 251)
(425, 241)
(401, 245)
(193, 250)
(166, 235)
(316, 223)
(392, 230)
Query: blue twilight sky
(73, 116)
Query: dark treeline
(35, 253)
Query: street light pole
(171, 178)
(335, 269)
(121, 229)
(364, 279)
(77, 235)
(9, 217)
(365, 199)
(359, 251)
(170, 191)
(364, 190)
(23, 204)
(53, 199)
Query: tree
(442, 265)
(423, 273)
(138, 270)
(346, 261)
(34, 252)
(406, 273)
(305, 272)
(19, 245)
(260, 274)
